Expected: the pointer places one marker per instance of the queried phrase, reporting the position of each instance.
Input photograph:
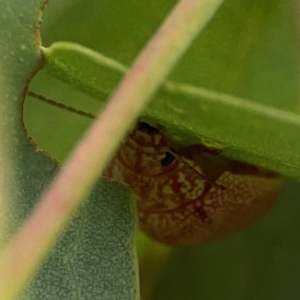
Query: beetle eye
(168, 159)
(146, 128)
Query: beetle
(188, 195)
(181, 203)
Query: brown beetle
(188, 200)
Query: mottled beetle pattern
(184, 200)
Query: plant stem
(19, 260)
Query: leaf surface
(95, 258)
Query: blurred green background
(250, 49)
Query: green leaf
(95, 257)
(90, 72)
(179, 107)
(249, 49)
